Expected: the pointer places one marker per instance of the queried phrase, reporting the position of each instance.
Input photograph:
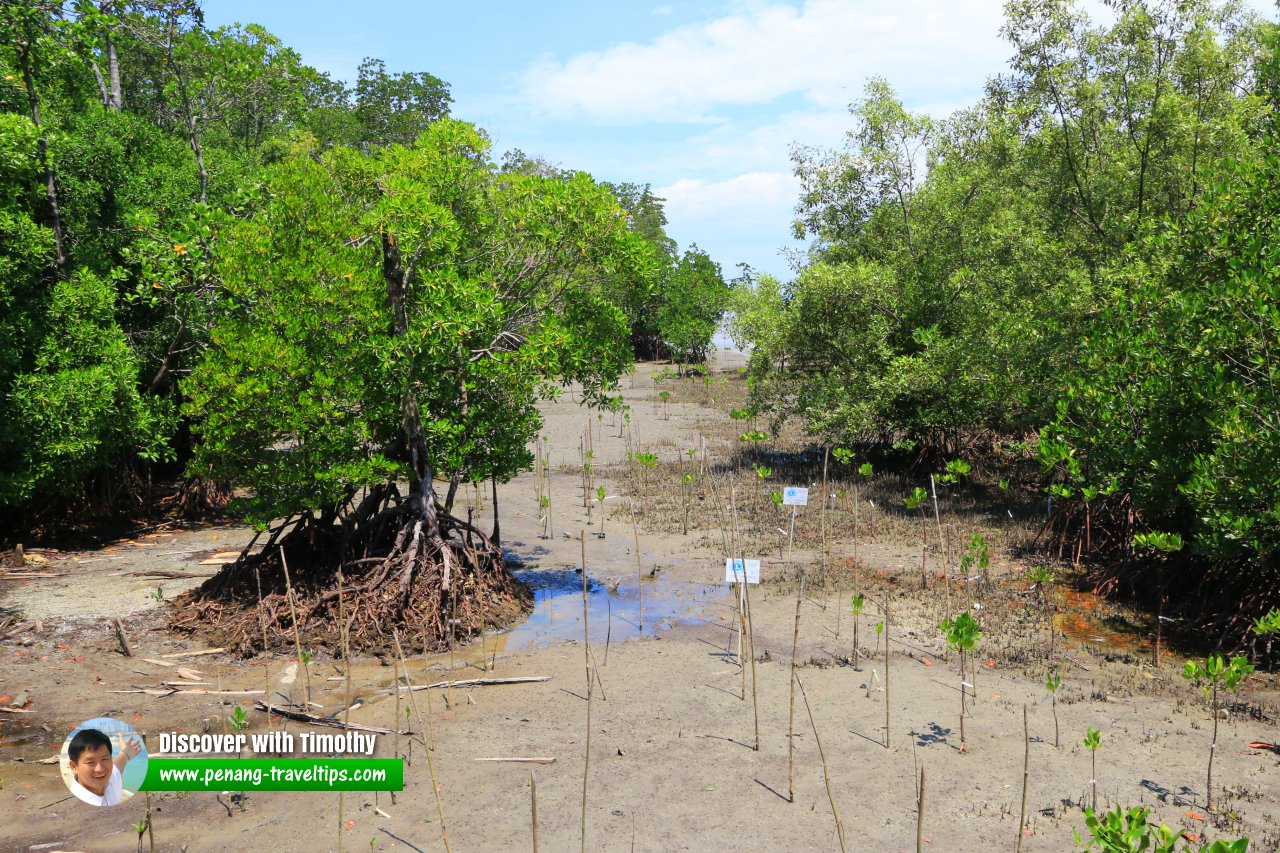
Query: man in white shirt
(97, 780)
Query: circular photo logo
(103, 761)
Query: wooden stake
(635, 532)
(586, 657)
(826, 773)
(124, 639)
(886, 671)
(1026, 773)
(431, 766)
(297, 629)
(920, 815)
(533, 807)
(791, 713)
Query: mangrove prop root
(408, 578)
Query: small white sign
(733, 570)
(792, 496)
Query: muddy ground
(672, 760)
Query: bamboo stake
(266, 658)
(533, 807)
(431, 765)
(791, 713)
(826, 774)
(920, 815)
(635, 533)
(1026, 773)
(586, 657)
(886, 671)
(297, 629)
(346, 710)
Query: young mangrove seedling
(1093, 740)
(1052, 682)
(600, 498)
(962, 635)
(1124, 830)
(916, 500)
(1213, 675)
(856, 604)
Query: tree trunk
(422, 495)
(496, 538)
(42, 149)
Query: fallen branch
(194, 654)
(123, 638)
(519, 760)
(477, 682)
(301, 717)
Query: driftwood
(476, 682)
(194, 654)
(124, 639)
(327, 722)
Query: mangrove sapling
(916, 501)
(600, 499)
(1268, 626)
(791, 712)
(1155, 542)
(1092, 741)
(1213, 675)
(856, 603)
(962, 635)
(1126, 830)
(687, 493)
(1052, 682)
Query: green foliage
(648, 460)
(1164, 543)
(1129, 831)
(865, 469)
(694, 298)
(238, 719)
(1267, 624)
(976, 556)
(917, 499)
(961, 633)
(956, 469)
(1052, 682)
(1041, 576)
(1092, 739)
(1217, 673)
(856, 603)
(504, 301)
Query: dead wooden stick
(194, 654)
(476, 682)
(316, 720)
(124, 639)
(517, 760)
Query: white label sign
(733, 570)
(792, 496)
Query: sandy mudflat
(672, 759)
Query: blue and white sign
(793, 496)
(734, 570)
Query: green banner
(274, 774)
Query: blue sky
(701, 99)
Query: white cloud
(765, 51)
(690, 197)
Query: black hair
(87, 739)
